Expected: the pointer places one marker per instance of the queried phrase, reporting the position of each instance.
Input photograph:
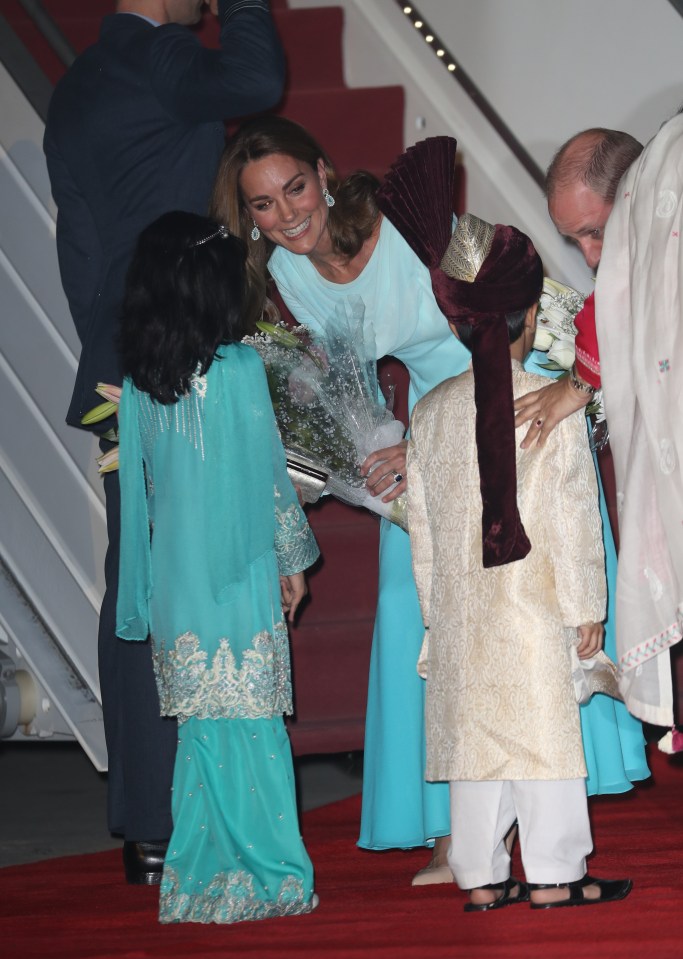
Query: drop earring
(256, 233)
(329, 199)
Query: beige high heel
(437, 870)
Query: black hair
(183, 299)
(515, 325)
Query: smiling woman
(286, 199)
(276, 187)
(273, 175)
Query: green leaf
(289, 340)
(280, 335)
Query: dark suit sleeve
(246, 75)
(78, 244)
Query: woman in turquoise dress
(203, 468)
(322, 241)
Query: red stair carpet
(78, 907)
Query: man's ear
(530, 318)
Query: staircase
(359, 128)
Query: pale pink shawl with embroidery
(639, 312)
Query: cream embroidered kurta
(500, 701)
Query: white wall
(548, 67)
(554, 67)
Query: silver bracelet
(578, 383)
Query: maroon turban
(509, 279)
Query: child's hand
(293, 589)
(591, 638)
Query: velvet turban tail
(416, 197)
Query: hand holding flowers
(329, 411)
(328, 408)
(556, 331)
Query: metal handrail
(20, 63)
(441, 51)
(50, 31)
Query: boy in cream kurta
(502, 720)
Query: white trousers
(554, 831)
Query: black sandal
(505, 899)
(611, 890)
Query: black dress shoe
(143, 862)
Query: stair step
(33, 40)
(339, 546)
(79, 22)
(359, 128)
(312, 39)
(324, 685)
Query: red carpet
(78, 906)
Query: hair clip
(223, 232)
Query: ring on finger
(398, 477)
(539, 423)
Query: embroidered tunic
(225, 522)
(500, 701)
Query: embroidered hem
(259, 688)
(654, 645)
(229, 897)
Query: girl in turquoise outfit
(202, 467)
(322, 241)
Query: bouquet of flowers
(328, 406)
(555, 330)
(555, 335)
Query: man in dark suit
(135, 130)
